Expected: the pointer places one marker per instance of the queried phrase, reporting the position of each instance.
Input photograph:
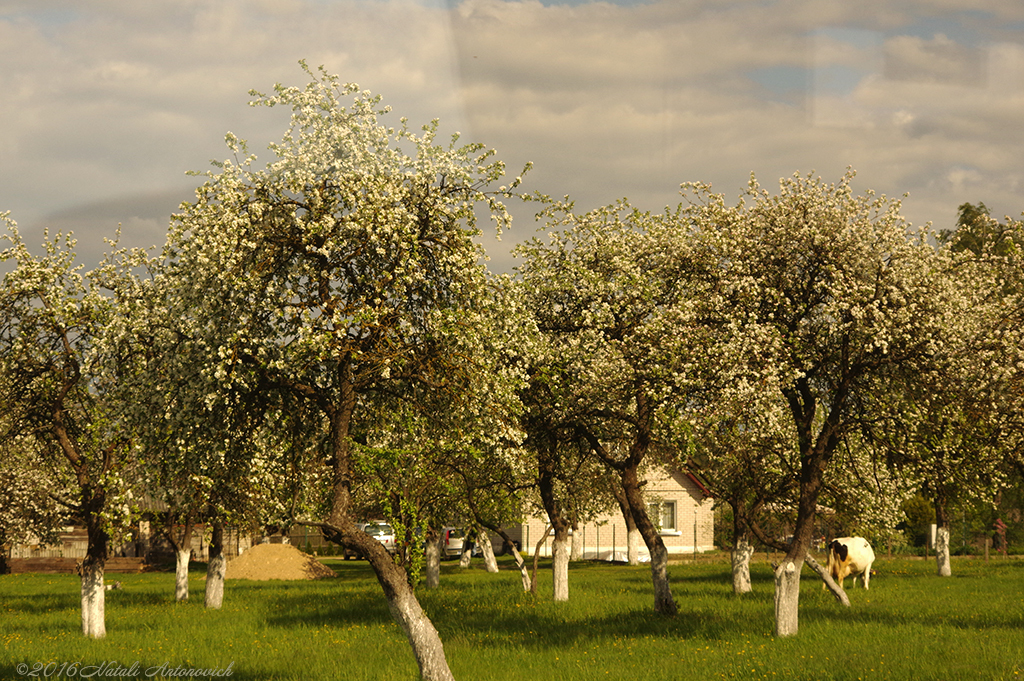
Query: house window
(664, 513)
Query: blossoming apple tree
(58, 371)
(846, 300)
(958, 427)
(745, 456)
(618, 294)
(344, 272)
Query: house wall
(146, 542)
(693, 519)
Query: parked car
(452, 541)
(379, 530)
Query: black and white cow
(850, 556)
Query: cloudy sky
(105, 104)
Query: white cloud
(118, 99)
(115, 99)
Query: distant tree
(977, 231)
(613, 292)
(60, 365)
(745, 456)
(493, 491)
(31, 510)
(554, 446)
(210, 458)
(958, 425)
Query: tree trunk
(181, 542)
(94, 622)
(576, 552)
(942, 537)
(632, 533)
(93, 598)
(523, 571)
(433, 567)
(487, 550)
(741, 554)
(942, 561)
(787, 598)
(547, 466)
(830, 584)
(405, 609)
(215, 568)
(560, 565)
(423, 638)
(182, 557)
(467, 552)
(815, 452)
(419, 630)
(520, 562)
(633, 546)
(664, 603)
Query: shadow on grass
(608, 603)
(834, 613)
(332, 605)
(526, 629)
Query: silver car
(379, 530)
(452, 541)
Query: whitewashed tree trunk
(510, 546)
(488, 552)
(142, 538)
(560, 567)
(94, 624)
(467, 551)
(829, 583)
(741, 555)
(787, 598)
(181, 574)
(633, 535)
(215, 568)
(942, 551)
(633, 546)
(523, 569)
(422, 635)
(663, 601)
(433, 567)
(576, 553)
(420, 632)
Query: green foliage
(979, 233)
(920, 515)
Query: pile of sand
(276, 561)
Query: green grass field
(910, 625)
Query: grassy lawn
(910, 625)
